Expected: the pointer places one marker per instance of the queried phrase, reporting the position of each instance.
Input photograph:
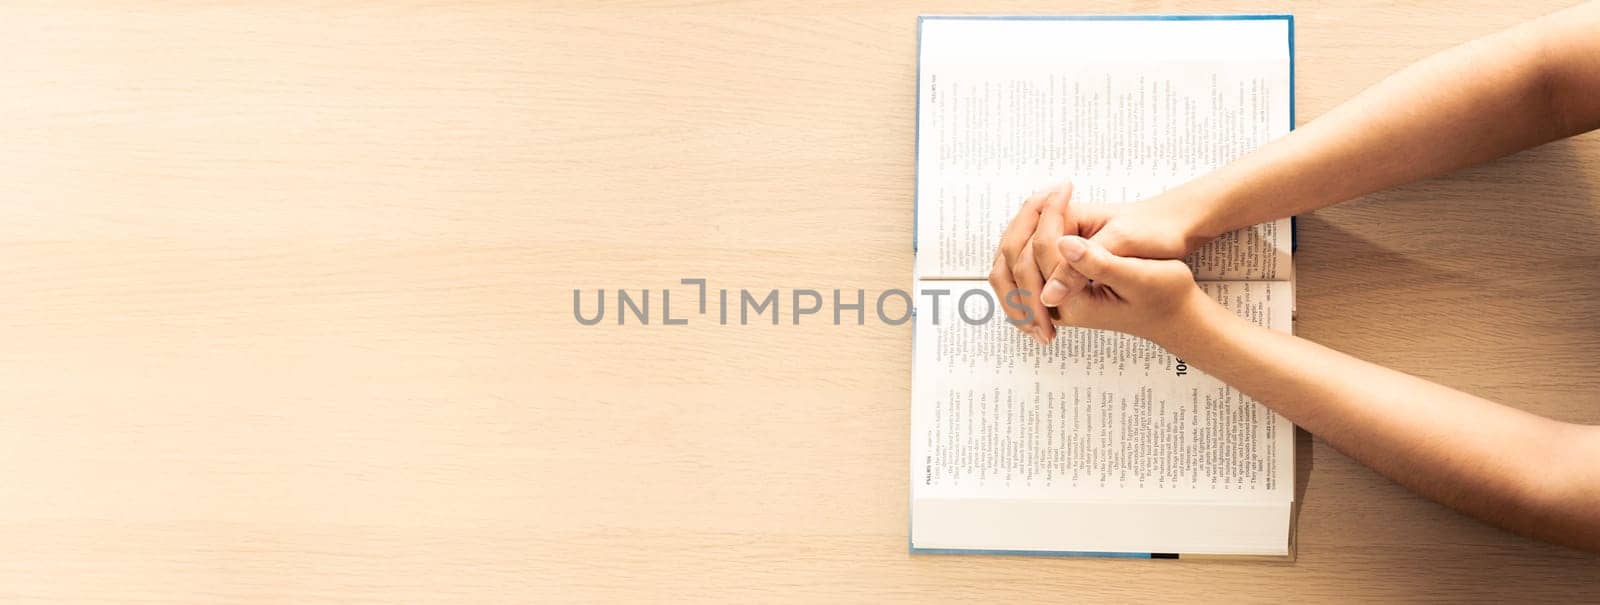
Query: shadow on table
(1486, 280)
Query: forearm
(1494, 96)
(1524, 472)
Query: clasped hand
(1097, 265)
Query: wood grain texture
(287, 308)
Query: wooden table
(287, 308)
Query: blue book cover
(975, 59)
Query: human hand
(1015, 277)
(1157, 228)
(1153, 299)
(1162, 228)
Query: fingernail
(1036, 337)
(1053, 293)
(1072, 248)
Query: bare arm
(1523, 87)
(1517, 89)
(1530, 474)
(1491, 97)
(1529, 85)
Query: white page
(1095, 416)
(1125, 109)
(1101, 526)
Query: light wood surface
(287, 308)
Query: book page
(1096, 415)
(1126, 110)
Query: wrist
(1198, 207)
(1193, 324)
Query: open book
(1100, 443)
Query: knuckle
(1045, 240)
(1006, 258)
(1041, 250)
(1085, 266)
(997, 285)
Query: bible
(1100, 443)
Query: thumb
(1096, 263)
